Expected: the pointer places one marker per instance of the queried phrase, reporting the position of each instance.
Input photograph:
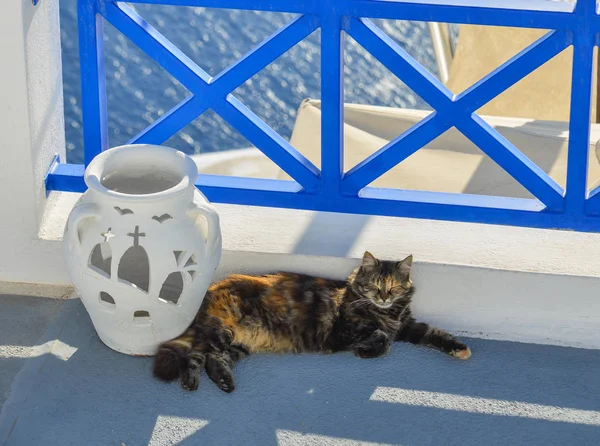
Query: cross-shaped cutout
(136, 236)
(107, 235)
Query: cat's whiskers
(358, 303)
(402, 313)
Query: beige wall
(544, 94)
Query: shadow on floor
(99, 397)
(23, 320)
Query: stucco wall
(32, 129)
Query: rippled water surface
(139, 91)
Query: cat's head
(383, 282)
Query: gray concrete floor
(23, 320)
(78, 392)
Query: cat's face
(382, 282)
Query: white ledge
(487, 281)
(319, 234)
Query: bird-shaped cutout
(162, 218)
(123, 211)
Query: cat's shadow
(98, 396)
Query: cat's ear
(369, 261)
(405, 265)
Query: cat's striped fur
(295, 313)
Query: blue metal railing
(330, 189)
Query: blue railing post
(93, 79)
(332, 99)
(584, 39)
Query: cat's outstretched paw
(189, 382)
(464, 353)
(376, 346)
(190, 369)
(219, 371)
(226, 383)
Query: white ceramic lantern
(142, 245)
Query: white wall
(32, 129)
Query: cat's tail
(173, 356)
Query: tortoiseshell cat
(295, 313)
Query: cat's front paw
(376, 346)
(189, 381)
(463, 353)
(226, 383)
(219, 371)
(457, 349)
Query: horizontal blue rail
(329, 188)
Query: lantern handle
(78, 214)
(212, 237)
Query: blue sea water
(139, 91)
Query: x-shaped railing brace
(450, 110)
(215, 92)
(458, 111)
